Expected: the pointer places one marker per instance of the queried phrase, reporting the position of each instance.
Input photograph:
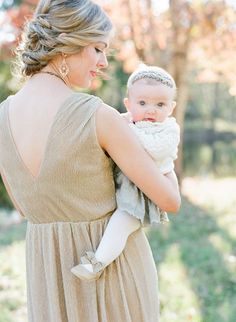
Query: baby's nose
(152, 110)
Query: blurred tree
(195, 34)
(12, 17)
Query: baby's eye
(142, 103)
(160, 104)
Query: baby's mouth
(149, 119)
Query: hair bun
(44, 23)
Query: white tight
(120, 226)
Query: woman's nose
(103, 63)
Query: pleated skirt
(127, 291)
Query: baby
(150, 102)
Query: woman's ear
(126, 103)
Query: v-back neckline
(47, 142)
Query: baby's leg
(120, 226)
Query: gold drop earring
(64, 69)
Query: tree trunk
(178, 68)
(136, 27)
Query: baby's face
(152, 103)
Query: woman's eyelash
(98, 50)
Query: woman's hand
(115, 137)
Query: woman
(57, 147)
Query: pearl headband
(151, 72)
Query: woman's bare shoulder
(109, 120)
(106, 111)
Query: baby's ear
(126, 103)
(173, 105)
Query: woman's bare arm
(115, 137)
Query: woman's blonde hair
(81, 22)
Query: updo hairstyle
(81, 22)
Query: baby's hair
(152, 74)
(59, 26)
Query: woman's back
(72, 164)
(31, 113)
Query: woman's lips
(94, 74)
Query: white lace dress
(160, 140)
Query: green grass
(12, 278)
(10, 234)
(195, 255)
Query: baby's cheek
(133, 114)
(161, 116)
(160, 119)
(138, 117)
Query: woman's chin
(77, 85)
(86, 84)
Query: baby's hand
(127, 116)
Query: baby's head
(151, 93)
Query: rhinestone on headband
(156, 75)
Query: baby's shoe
(83, 273)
